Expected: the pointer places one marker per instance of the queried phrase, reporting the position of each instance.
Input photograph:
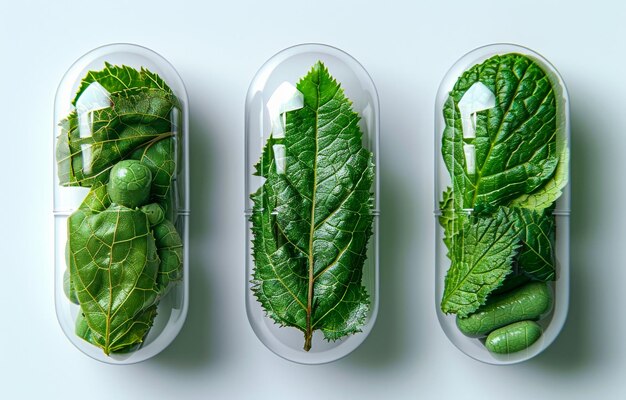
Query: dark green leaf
(515, 141)
(312, 221)
(536, 256)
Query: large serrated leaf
(514, 149)
(312, 219)
(482, 256)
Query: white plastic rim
(554, 321)
(172, 309)
(290, 65)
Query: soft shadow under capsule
(121, 109)
(495, 206)
(272, 96)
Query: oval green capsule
(527, 302)
(513, 338)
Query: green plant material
(513, 338)
(515, 143)
(140, 110)
(553, 189)
(114, 266)
(170, 251)
(312, 220)
(129, 183)
(451, 219)
(530, 301)
(68, 287)
(122, 253)
(118, 78)
(536, 257)
(154, 212)
(514, 157)
(160, 158)
(481, 258)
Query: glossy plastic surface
(554, 320)
(172, 308)
(289, 66)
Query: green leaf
(536, 257)
(482, 257)
(113, 266)
(545, 196)
(160, 158)
(136, 117)
(312, 221)
(170, 250)
(451, 218)
(118, 78)
(515, 141)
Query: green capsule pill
(513, 338)
(527, 302)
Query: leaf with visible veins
(311, 223)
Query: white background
(407, 48)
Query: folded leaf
(482, 256)
(311, 218)
(114, 266)
(136, 118)
(546, 195)
(512, 149)
(170, 250)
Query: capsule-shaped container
(502, 203)
(121, 203)
(311, 196)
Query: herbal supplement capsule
(332, 293)
(513, 338)
(121, 203)
(502, 197)
(527, 302)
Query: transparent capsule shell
(172, 307)
(552, 321)
(288, 66)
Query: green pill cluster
(508, 318)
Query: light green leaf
(312, 222)
(545, 196)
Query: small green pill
(527, 302)
(154, 212)
(129, 183)
(513, 338)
